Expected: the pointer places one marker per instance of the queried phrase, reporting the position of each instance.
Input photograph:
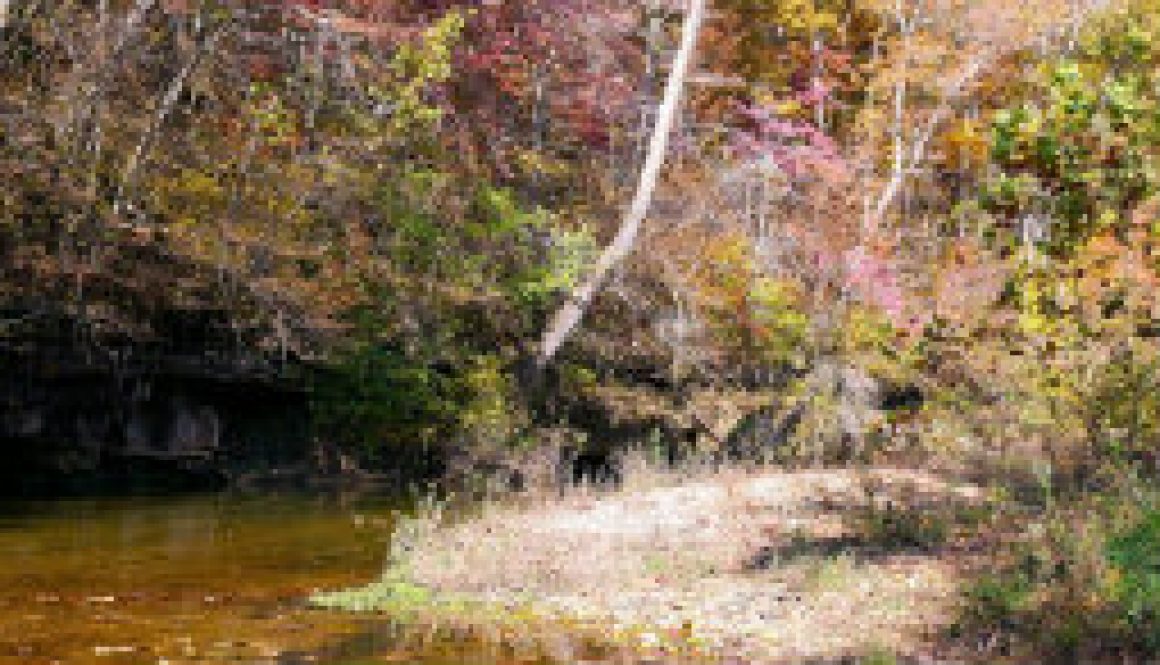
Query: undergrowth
(1082, 585)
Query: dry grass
(757, 565)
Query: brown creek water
(197, 579)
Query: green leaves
(569, 253)
(377, 395)
(1136, 555)
(1082, 149)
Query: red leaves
(572, 52)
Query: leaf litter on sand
(676, 567)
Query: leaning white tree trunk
(569, 315)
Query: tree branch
(176, 86)
(952, 93)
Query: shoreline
(751, 567)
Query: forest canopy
(956, 195)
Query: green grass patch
(383, 596)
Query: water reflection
(208, 578)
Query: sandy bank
(762, 567)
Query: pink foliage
(797, 147)
(875, 280)
(816, 93)
(800, 149)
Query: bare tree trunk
(110, 55)
(952, 94)
(904, 162)
(91, 76)
(172, 94)
(569, 315)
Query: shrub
(384, 405)
(1084, 585)
(1135, 556)
(903, 526)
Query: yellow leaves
(798, 18)
(721, 279)
(779, 321)
(965, 143)
(788, 107)
(200, 185)
(537, 162)
(864, 329)
(276, 123)
(729, 252)
(803, 16)
(259, 231)
(191, 199)
(415, 68)
(772, 293)
(1104, 292)
(490, 414)
(784, 107)
(1033, 320)
(739, 307)
(869, 337)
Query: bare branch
(176, 86)
(951, 94)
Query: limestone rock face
(66, 416)
(194, 430)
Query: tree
(568, 316)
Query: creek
(204, 578)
